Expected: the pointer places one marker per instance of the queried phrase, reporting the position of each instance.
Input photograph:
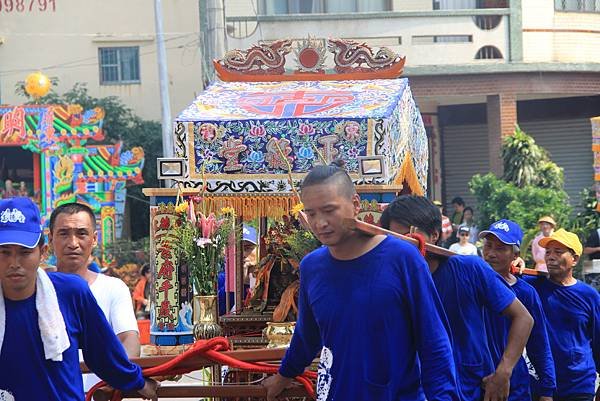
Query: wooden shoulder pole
(370, 229)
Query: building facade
(108, 45)
(476, 67)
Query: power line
(99, 35)
(69, 64)
(95, 63)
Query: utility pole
(163, 78)
(213, 38)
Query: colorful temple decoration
(172, 308)
(596, 150)
(248, 140)
(309, 61)
(243, 137)
(68, 169)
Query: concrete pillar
(431, 122)
(501, 120)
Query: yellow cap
(547, 219)
(565, 238)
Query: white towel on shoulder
(50, 319)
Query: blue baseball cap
(506, 231)
(20, 222)
(249, 234)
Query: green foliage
(498, 199)
(588, 219)
(202, 245)
(126, 251)
(531, 187)
(300, 242)
(526, 163)
(120, 123)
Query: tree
(531, 187)
(526, 163)
(588, 219)
(498, 199)
(120, 123)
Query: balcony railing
(424, 37)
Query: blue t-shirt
(26, 373)
(537, 349)
(573, 316)
(467, 287)
(222, 294)
(370, 317)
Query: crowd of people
(387, 322)
(460, 234)
(391, 324)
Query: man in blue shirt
(468, 288)
(28, 373)
(573, 315)
(501, 247)
(369, 305)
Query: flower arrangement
(202, 239)
(291, 240)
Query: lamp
(170, 168)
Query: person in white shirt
(463, 246)
(73, 236)
(469, 221)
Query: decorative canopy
(69, 169)
(39, 127)
(107, 163)
(274, 61)
(244, 137)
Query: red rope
(209, 349)
(421, 239)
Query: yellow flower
(297, 209)
(228, 210)
(181, 208)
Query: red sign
(294, 104)
(12, 127)
(27, 6)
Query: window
(488, 53)
(119, 65)
(468, 4)
(274, 7)
(577, 5)
(430, 39)
(487, 22)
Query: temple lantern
(37, 85)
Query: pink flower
(203, 241)
(258, 131)
(191, 213)
(207, 225)
(306, 129)
(208, 132)
(352, 131)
